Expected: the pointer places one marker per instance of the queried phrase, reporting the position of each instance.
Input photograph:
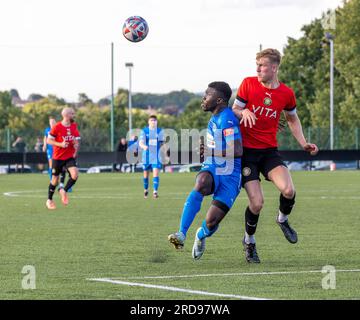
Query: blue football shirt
(152, 138)
(222, 128)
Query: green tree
(5, 108)
(83, 98)
(302, 59)
(193, 116)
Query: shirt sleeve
(291, 105)
(53, 132)
(142, 137)
(77, 134)
(242, 94)
(230, 129)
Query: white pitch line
(238, 274)
(30, 194)
(167, 288)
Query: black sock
(51, 191)
(62, 177)
(251, 221)
(286, 205)
(69, 184)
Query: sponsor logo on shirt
(228, 132)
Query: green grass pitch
(109, 231)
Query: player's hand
(312, 148)
(248, 118)
(64, 144)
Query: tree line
(305, 68)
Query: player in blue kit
(220, 174)
(48, 148)
(150, 141)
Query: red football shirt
(68, 133)
(267, 105)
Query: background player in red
(259, 103)
(65, 138)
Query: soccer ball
(135, 29)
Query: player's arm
(234, 149)
(142, 143)
(76, 145)
(245, 116)
(51, 140)
(296, 130)
(44, 143)
(233, 141)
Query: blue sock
(156, 181)
(191, 208)
(146, 183)
(50, 173)
(204, 232)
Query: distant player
(220, 174)
(150, 141)
(65, 138)
(259, 104)
(48, 148)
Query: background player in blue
(48, 148)
(150, 141)
(220, 174)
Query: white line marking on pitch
(167, 288)
(30, 194)
(237, 274)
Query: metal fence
(98, 140)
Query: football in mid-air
(135, 29)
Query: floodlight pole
(130, 65)
(112, 100)
(331, 41)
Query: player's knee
(256, 204)
(203, 185)
(288, 192)
(74, 175)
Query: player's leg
(62, 179)
(203, 186)
(146, 180)
(252, 213)
(57, 167)
(156, 182)
(251, 166)
(281, 178)
(50, 167)
(215, 214)
(225, 194)
(73, 177)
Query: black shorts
(256, 161)
(58, 166)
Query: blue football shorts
(226, 186)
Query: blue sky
(63, 47)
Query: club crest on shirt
(267, 101)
